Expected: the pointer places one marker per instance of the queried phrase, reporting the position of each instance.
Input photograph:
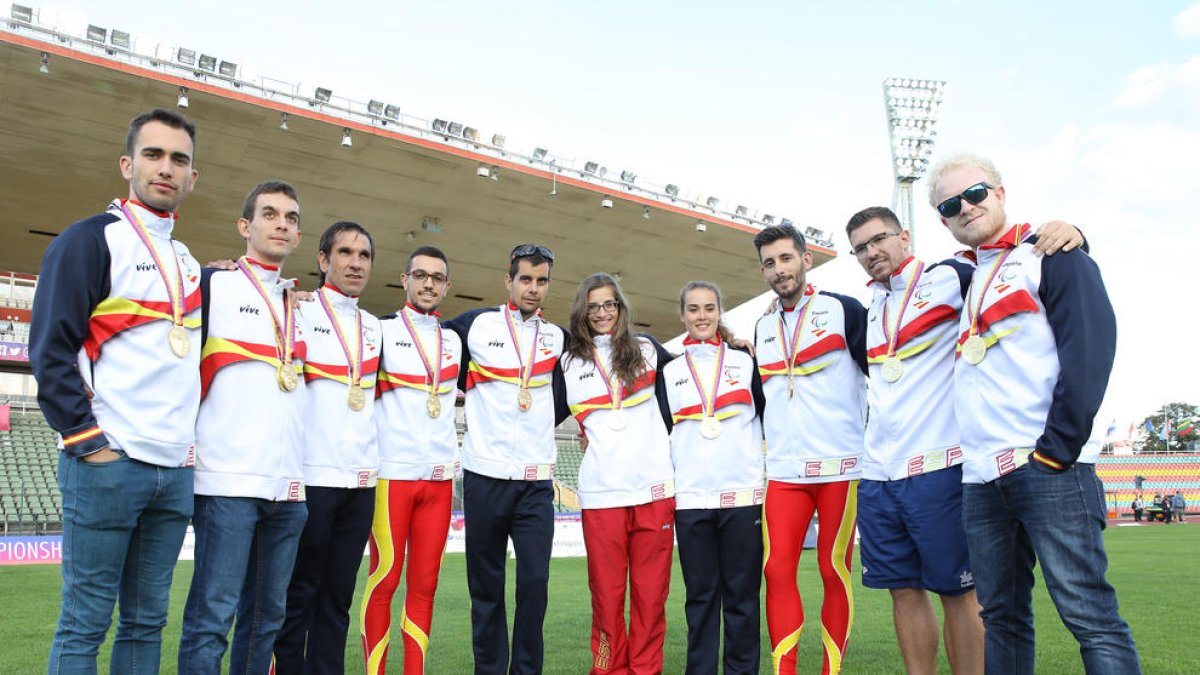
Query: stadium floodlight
(628, 176)
(741, 211)
(323, 95)
(208, 63)
(392, 112)
(814, 234)
(455, 129)
(470, 133)
(440, 126)
(119, 38)
(672, 191)
(499, 140)
(701, 226)
(22, 13)
(712, 202)
(786, 222)
(913, 108)
(591, 168)
(346, 140)
(607, 202)
(97, 34)
(482, 171)
(182, 102)
(768, 219)
(228, 69)
(375, 107)
(539, 154)
(186, 56)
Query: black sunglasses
(526, 250)
(974, 194)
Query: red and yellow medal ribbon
(432, 362)
(354, 360)
(174, 291)
(285, 335)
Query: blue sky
(1091, 111)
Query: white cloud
(1167, 83)
(1187, 22)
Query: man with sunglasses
(1036, 342)
(418, 463)
(910, 495)
(509, 370)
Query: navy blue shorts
(912, 533)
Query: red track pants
(786, 514)
(412, 514)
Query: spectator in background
(1167, 511)
(1137, 509)
(1179, 505)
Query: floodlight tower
(913, 107)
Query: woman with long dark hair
(715, 397)
(626, 486)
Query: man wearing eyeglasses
(910, 495)
(509, 368)
(1036, 342)
(418, 463)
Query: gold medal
(177, 338)
(616, 420)
(286, 374)
(356, 399)
(433, 405)
(893, 369)
(710, 427)
(524, 399)
(974, 349)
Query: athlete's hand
(742, 343)
(301, 296)
(223, 264)
(102, 456)
(1055, 236)
(772, 307)
(583, 442)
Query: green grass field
(1156, 571)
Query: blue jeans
(123, 526)
(1057, 518)
(245, 549)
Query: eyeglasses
(873, 241)
(974, 194)
(526, 250)
(607, 305)
(420, 276)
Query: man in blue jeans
(250, 508)
(1036, 341)
(115, 348)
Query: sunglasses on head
(974, 194)
(526, 250)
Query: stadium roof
(62, 132)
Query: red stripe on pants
(412, 514)
(786, 514)
(634, 544)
